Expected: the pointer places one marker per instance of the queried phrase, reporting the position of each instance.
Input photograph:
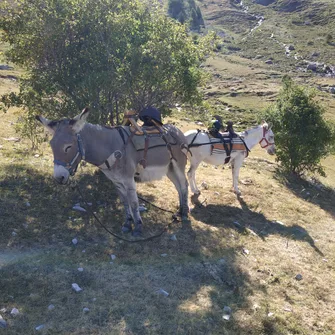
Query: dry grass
(204, 270)
(286, 225)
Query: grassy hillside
(242, 254)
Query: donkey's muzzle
(61, 174)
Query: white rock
(51, 307)
(80, 269)
(37, 155)
(74, 241)
(14, 311)
(28, 204)
(173, 238)
(164, 255)
(86, 310)
(113, 257)
(246, 251)
(142, 208)
(40, 327)
(14, 233)
(76, 287)
(3, 323)
(78, 208)
(270, 314)
(280, 222)
(226, 317)
(161, 291)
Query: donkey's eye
(67, 148)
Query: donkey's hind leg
(177, 175)
(127, 226)
(191, 176)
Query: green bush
(303, 137)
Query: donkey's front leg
(235, 168)
(127, 226)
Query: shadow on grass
(311, 191)
(123, 297)
(34, 209)
(243, 218)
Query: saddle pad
(235, 144)
(155, 140)
(148, 130)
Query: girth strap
(143, 161)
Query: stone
(142, 208)
(14, 311)
(164, 255)
(113, 257)
(74, 241)
(5, 67)
(51, 307)
(76, 287)
(80, 269)
(298, 277)
(227, 313)
(269, 61)
(173, 238)
(78, 208)
(312, 67)
(3, 323)
(162, 292)
(86, 310)
(204, 185)
(40, 327)
(246, 251)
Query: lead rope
(174, 219)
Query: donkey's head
(268, 140)
(66, 144)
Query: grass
(204, 270)
(287, 225)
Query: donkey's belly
(215, 159)
(150, 173)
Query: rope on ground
(120, 237)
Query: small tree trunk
(117, 110)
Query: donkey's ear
(50, 126)
(79, 121)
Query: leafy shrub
(108, 55)
(303, 137)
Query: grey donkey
(109, 149)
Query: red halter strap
(267, 143)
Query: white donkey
(211, 150)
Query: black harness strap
(195, 136)
(248, 150)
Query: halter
(69, 166)
(267, 143)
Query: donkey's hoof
(185, 218)
(126, 229)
